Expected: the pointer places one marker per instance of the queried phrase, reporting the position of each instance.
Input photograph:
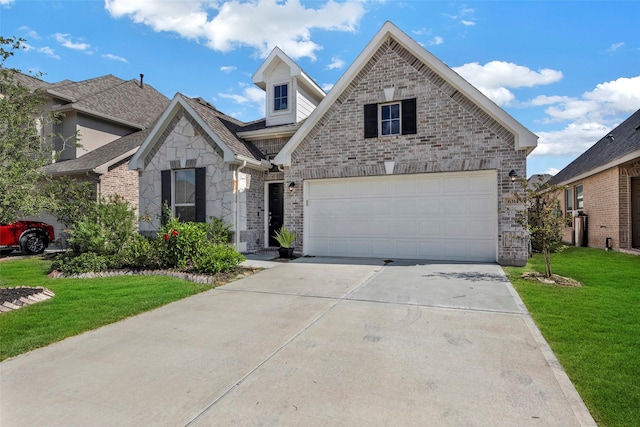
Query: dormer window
(280, 97)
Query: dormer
(291, 95)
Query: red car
(30, 237)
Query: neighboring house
(403, 158)
(537, 180)
(111, 118)
(604, 184)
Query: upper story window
(397, 118)
(390, 119)
(280, 97)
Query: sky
(567, 70)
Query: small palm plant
(285, 239)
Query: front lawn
(79, 305)
(594, 330)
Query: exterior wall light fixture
(513, 175)
(292, 186)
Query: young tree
(542, 218)
(23, 145)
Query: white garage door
(436, 216)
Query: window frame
(579, 195)
(391, 119)
(174, 194)
(275, 98)
(407, 120)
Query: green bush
(105, 229)
(217, 259)
(217, 231)
(138, 252)
(87, 262)
(179, 242)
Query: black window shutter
(371, 120)
(165, 179)
(409, 124)
(201, 194)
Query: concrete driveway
(313, 342)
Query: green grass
(79, 305)
(594, 330)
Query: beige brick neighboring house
(403, 158)
(111, 116)
(604, 184)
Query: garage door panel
(425, 216)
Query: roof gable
(618, 146)
(219, 127)
(458, 88)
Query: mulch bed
(555, 279)
(15, 298)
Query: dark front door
(276, 209)
(635, 212)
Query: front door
(635, 212)
(276, 209)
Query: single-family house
(403, 158)
(111, 117)
(603, 187)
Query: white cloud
(227, 68)
(29, 33)
(251, 96)
(615, 47)
(5, 2)
(467, 23)
(48, 51)
(336, 64)
(495, 77)
(437, 40)
(259, 24)
(573, 140)
(115, 58)
(421, 32)
(327, 87)
(589, 117)
(607, 100)
(552, 171)
(65, 41)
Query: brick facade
(607, 204)
(454, 134)
(122, 181)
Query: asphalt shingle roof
(621, 141)
(225, 127)
(99, 156)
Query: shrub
(179, 242)
(217, 231)
(217, 259)
(138, 252)
(105, 229)
(84, 263)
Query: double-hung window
(390, 119)
(574, 201)
(184, 194)
(394, 118)
(280, 97)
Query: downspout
(237, 225)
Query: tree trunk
(547, 262)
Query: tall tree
(24, 143)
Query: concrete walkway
(313, 342)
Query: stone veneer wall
(454, 134)
(185, 143)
